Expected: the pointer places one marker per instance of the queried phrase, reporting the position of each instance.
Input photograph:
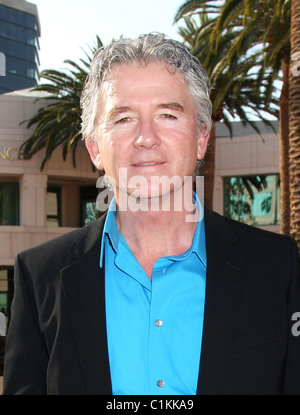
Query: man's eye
(122, 120)
(169, 116)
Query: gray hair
(145, 49)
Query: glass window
(6, 289)
(20, 67)
(6, 296)
(18, 50)
(53, 207)
(19, 33)
(9, 204)
(12, 82)
(89, 211)
(254, 200)
(17, 17)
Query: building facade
(19, 45)
(36, 205)
(247, 182)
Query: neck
(152, 234)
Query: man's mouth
(147, 164)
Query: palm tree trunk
(208, 170)
(284, 151)
(294, 150)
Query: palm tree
(294, 149)
(264, 26)
(236, 91)
(59, 122)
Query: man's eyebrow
(172, 106)
(117, 110)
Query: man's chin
(149, 200)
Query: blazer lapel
(224, 281)
(83, 283)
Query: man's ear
(93, 149)
(203, 138)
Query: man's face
(146, 127)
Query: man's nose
(147, 136)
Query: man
(158, 296)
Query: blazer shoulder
(233, 231)
(81, 239)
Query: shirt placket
(158, 380)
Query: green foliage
(263, 24)
(240, 88)
(59, 122)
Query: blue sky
(67, 26)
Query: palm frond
(241, 88)
(58, 123)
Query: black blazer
(57, 342)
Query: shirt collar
(110, 229)
(198, 245)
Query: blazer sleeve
(292, 372)
(26, 356)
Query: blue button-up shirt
(154, 329)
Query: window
(53, 206)
(12, 82)
(6, 295)
(20, 67)
(9, 204)
(253, 199)
(18, 50)
(89, 211)
(18, 33)
(6, 289)
(17, 17)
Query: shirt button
(160, 383)
(158, 323)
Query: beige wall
(15, 108)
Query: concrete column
(70, 201)
(33, 188)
